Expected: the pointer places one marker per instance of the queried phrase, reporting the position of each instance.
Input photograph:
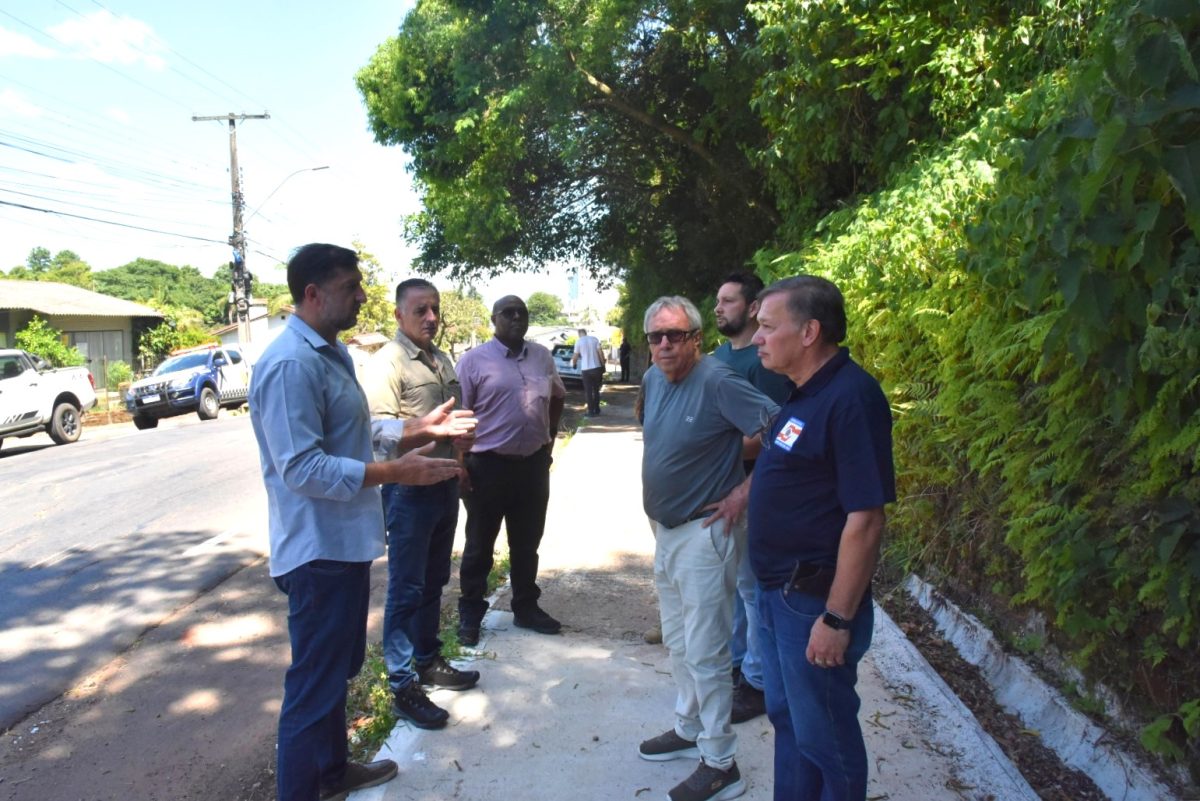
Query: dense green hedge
(1029, 297)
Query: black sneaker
(536, 620)
(468, 635)
(748, 703)
(412, 704)
(357, 777)
(440, 673)
(709, 784)
(668, 746)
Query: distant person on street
(514, 390)
(314, 436)
(736, 306)
(623, 356)
(590, 358)
(406, 379)
(816, 519)
(697, 411)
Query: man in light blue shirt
(314, 437)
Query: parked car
(562, 360)
(199, 380)
(36, 397)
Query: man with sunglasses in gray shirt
(698, 414)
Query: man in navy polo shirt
(816, 519)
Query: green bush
(118, 373)
(158, 342)
(1029, 295)
(39, 338)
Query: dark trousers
(515, 491)
(327, 625)
(592, 379)
(420, 532)
(624, 369)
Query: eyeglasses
(673, 336)
(513, 313)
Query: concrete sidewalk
(560, 717)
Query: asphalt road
(103, 539)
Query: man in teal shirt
(737, 305)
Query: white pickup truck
(36, 397)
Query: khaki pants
(695, 572)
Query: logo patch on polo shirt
(790, 432)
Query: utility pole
(240, 294)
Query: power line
(112, 222)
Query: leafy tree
(40, 338)
(545, 309)
(611, 132)
(65, 267)
(378, 313)
(850, 91)
(68, 268)
(39, 261)
(154, 282)
(465, 319)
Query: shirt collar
(503, 350)
(308, 333)
(414, 350)
(823, 376)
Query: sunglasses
(673, 336)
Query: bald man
(514, 390)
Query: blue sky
(96, 106)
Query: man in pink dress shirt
(517, 397)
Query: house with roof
(103, 328)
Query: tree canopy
(545, 309)
(608, 132)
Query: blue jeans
(819, 749)
(744, 644)
(327, 625)
(420, 536)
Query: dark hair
(750, 283)
(413, 283)
(316, 263)
(812, 298)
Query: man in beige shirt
(406, 379)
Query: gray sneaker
(668, 746)
(709, 784)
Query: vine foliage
(1029, 296)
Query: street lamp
(254, 213)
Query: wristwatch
(835, 621)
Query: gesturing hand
(415, 467)
(445, 422)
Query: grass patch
(369, 713)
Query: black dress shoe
(748, 703)
(440, 673)
(468, 635)
(412, 704)
(357, 777)
(536, 620)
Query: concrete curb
(1078, 742)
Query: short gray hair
(673, 302)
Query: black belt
(507, 457)
(809, 579)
